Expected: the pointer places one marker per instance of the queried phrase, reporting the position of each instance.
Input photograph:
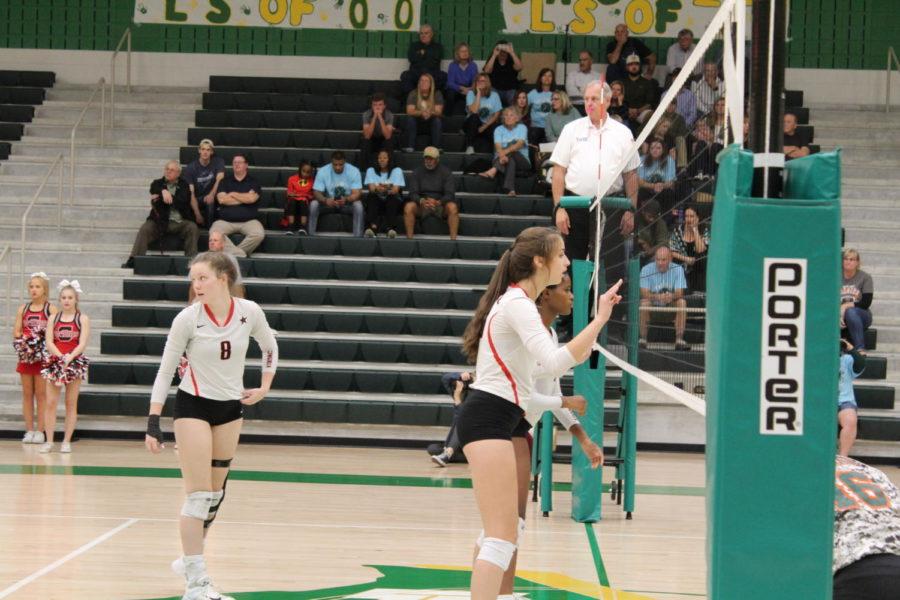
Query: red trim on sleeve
(500, 362)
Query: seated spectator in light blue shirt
(460, 79)
(656, 177)
(510, 151)
(852, 364)
(385, 184)
(483, 108)
(663, 287)
(338, 189)
(540, 102)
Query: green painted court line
(595, 551)
(320, 478)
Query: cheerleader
(28, 340)
(214, 332)
(67, 335)
(510, 346)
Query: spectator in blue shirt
(460, 79)
(510, 151)
(656, 176)
(852, 365)
(483, 108)
(540, 104)
(385, 182)
(663, 287)
(338, 189)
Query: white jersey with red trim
(216, 351)
(547, 395)
(515, 347)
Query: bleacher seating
(20, 92)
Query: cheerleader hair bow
(40, 275)
(66, 283)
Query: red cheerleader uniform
(66, 336)
(34, 323)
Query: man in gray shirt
(432, 190)
(377, 131)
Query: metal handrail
(101, 85)
(891, 58)
(59, 195)
(126, 36)
(6, 254)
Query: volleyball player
(215, 333)
(510, 345)
(28, 340)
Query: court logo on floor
(435, 582)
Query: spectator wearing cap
(709, 89)
(337, 190)
(679, 52)
(203, 175)
(377, 130)
(640, 92)
(432, 191)
(622, 47)
(237, 208)
(425, 56)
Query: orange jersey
(300, 189)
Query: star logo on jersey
(445, 583)
(243, 320)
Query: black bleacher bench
(5, 149)
(302, 85)
(22, 95)
(11, 131)
(300, 138)
(291, 119)
(16, 113)
(299, 102)
(44, 79)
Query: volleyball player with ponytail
(214, 332)
(510, 346)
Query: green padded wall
(851, 34)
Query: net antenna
(730, 20)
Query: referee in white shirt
(578, 158)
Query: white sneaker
(65, 448)
(29, 437)
(38, 437)
(46, 448)
(178, 566)
(204, 592)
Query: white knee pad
(496, 551)
(197, 504)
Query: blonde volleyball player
(214, 333)
(510, 345)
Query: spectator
(679, 52)
(708, 90)
(237, 206)
(425, 56)
(663, 286)
(216, 243)
(660, 133)
(656, 177)
(718, 125)
(510, 151)
(503, 66)
(385, 182)
(483, 107)
(703, 166)
(563, 112)
(618, 106)
(640, 91)
(689, 242)
(424, 105)
(457, 385)
(461, 76)
(652, 231)
(171, 212)
(852, 364)
(866, 557)
(540, 105)
(377, 130)
(678, 127)
(577, 81)
(522, 108)
(685, 102)
(796, 140)
(621, 48)
(432, 191)
(857, 292)
(203, 175)
(298, 195)
(337, 190)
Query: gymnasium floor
(328, 522)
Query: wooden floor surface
(101, 523)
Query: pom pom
(55, 372)
(31, 348)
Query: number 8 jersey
(216, 351)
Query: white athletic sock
(195, 570)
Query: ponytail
(498, 284)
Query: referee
(584, 148)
